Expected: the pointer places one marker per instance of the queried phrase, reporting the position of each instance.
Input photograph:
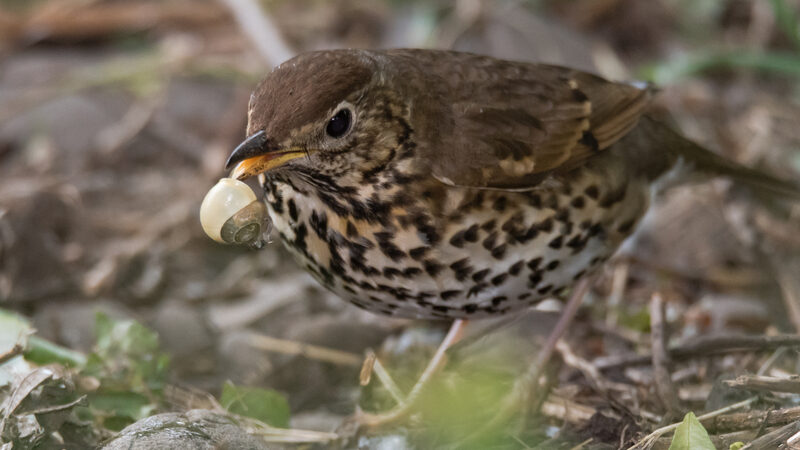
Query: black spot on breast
(534, 279)
(499, 251)
(592, 192)
(515, 269)
(595, 230)
(351, 230)
(534, 263)
(292, 210)
(470, 308)
(496, 301)
(418, 253)
(552, 265)
(391, 272)
(411, 272)
(388, 247)
(457, 240)
(499, 279)
(577, 243)
(432, 267)
(578, 202)
(477, 289)
(556, 243)
(546, 225)
(300, 234)
(319, 223)
(447, 295)
(490, 241)
(545, 289)
(562, 215)
(461, 268)
(480, 275)
(489, 225)
(523, 296)
(471, 234)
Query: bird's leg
(436, 363)
(525, 385)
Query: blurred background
(116, 117)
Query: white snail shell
(231, 213)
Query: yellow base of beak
(263, 163)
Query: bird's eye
(339, 123)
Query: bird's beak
(257, 155)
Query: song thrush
(438, 184)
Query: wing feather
(516, 123)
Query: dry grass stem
(315, 352)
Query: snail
(231, 214)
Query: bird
(438, 184)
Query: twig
(373, 365)
(288, 435)
(16, 350)
(618, 284)
(764, 383)
(771, 360)
(309, 351)
(661, 361)
(775, 438)
(704, 346)
(595, 378)
(752, 419)
(566, 410)
(257, 25)
(55, 408)
(651, 438)
(582, 444)
(95, 20)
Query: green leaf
(736, 445)
(690, 435)
(127, 356)
(265, 405)
(42, 352)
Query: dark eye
(339, 124)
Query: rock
(197, 429)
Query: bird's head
(324, 115)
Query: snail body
(232, 214)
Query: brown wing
(514, 123)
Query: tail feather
(703, 161)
